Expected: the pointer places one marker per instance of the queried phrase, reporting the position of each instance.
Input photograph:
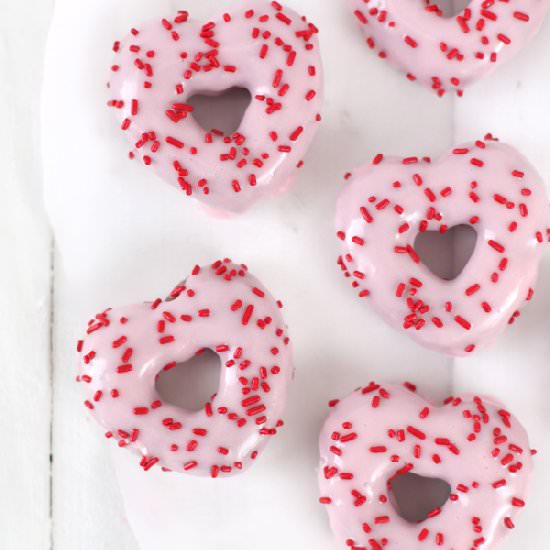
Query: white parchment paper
(124, 236)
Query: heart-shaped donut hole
(220, 113)
(447, 8)
(191, 384)
(446, 254)
(416, 498)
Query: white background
(121, 236)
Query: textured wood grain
(25, 242)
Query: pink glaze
(378, 433)
(485, 184)
(448, 53)
(222, 308)
(267, 49)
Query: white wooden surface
(25, 242)
(121, 237)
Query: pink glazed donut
(448, 53)
(485, 185)
(220, 307)
(379, 433)
(268, 50)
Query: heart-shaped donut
(486, 185)
(448, 53)
(268, 50)
(222, 308)
(378, 434)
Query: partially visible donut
(448, 53)
(380, 432)
(219, 307)
(267, 49)
(486, 185)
